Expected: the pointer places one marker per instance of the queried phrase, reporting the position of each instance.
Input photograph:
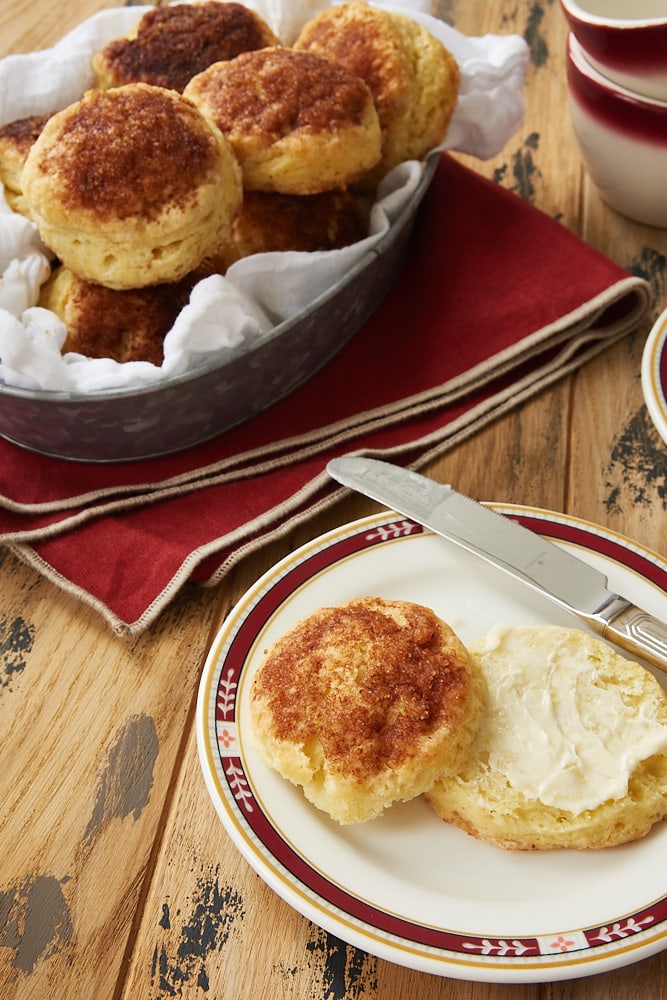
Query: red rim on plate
(654, 374)
(286, 844)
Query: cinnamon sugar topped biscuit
(131, 186)
(172, 44)
(414, 79)
(364, 704)
(16, 141)
(269, 222)
(127, 325)
(108, 160)
(297, 123)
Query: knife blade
(547, 568)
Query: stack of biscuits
(532, 738)
(205, 140)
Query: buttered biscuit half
(571, 749)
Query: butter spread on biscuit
(562, 728)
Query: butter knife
(525, 555)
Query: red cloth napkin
(495, 301)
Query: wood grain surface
(116, 878)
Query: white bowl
(623, 140)
(625, 40)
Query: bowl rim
(430, 164)
(578, 14)
(653, 389)
(576, 55)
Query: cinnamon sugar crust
(414, 79)
(132, 186)
(269, 222)
(128, 325)
(172, 44)
(23, 132)
(365, 704)
(272, 93)
(297, 123)
(16, 141)
(363, 39)
(108, 162)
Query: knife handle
(639, 633)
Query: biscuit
(125, 325)
(172, 44)
(298, 123)
(571, 750)
(414, 79)
(364, 704)
(131, 186)
(281, 222)
(16, 141)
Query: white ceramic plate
(407, 887)
(654, 374)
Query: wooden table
(116, 877)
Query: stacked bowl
(617, 84)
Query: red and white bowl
(623, 140)
(625, 40)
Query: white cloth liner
(259, 291)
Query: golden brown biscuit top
(364, 40)
(365, 686)
(327, 221)
(275, 91)
(23, 132)
(123, 325)
(175, 43)
(128, 151)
